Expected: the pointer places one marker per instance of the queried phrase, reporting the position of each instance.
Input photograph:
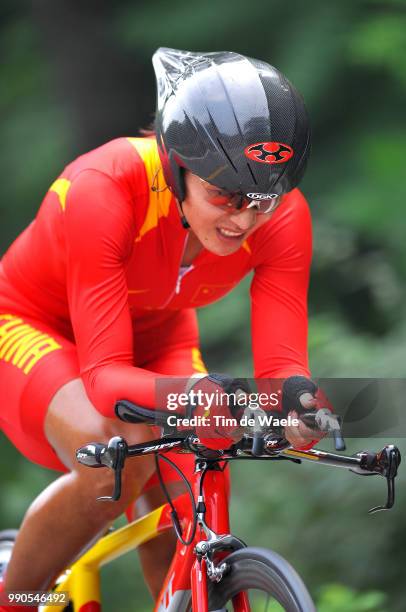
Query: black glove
(293, 388)
(231, 386)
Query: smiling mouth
(229, 234)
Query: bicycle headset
(234, 121)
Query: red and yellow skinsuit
(92, 288)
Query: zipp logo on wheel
(269, 152)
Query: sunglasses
(231, 202)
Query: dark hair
(149, 131)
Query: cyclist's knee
(72, 421)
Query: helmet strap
(155, 183)
(183, 219)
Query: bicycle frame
(82, 580)
(186, 579)
(187, 576)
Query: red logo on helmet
(269, 152)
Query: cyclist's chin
(222, 245)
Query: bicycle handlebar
(322, 420)
(114, 454)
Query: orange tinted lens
(226, 199)
(219, 200)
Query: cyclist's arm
(100, 230)
(282, 259)
(279, 305)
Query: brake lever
(114, 458)
(390, 500)
(388, 461)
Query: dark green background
(75, 74)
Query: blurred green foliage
(336, 598)
(76, 74)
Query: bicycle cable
(174, 514)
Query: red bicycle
(212, 568)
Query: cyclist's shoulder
(119, 159)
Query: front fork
(193, 568)
(198, 579)
(200, 600)
(204, 568)
(199, 585)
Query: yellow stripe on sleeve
(197, 361)
(61, 188)
(159, 200)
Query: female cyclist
(98, 294)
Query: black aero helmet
(234, 121)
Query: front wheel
(271, 583)
(7, 539)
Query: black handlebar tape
(132, 413)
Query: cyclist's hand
(222, 400)
(300, 394)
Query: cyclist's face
(214, 218)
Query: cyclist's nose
(244, 219)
